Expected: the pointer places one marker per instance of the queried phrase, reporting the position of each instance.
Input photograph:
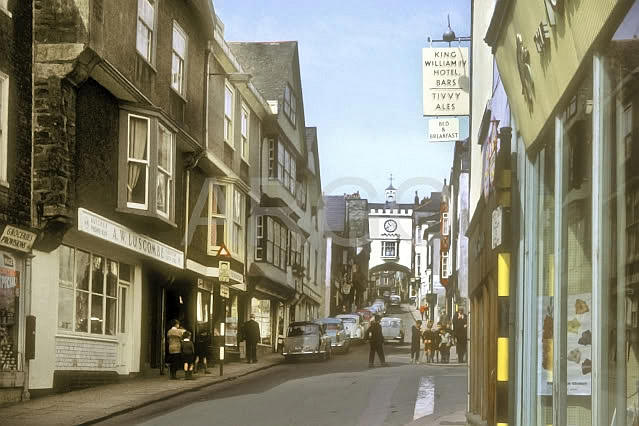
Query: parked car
(307, 339)
(353, 325)
(382, 304)
(392, 329)
(395, 300)
(334, 327)
(366, 317)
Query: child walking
(188, 355)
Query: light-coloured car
(392, 329)
(353, 325)
(395, 300)
(334, 328)
(307, 339)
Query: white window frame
(4, 7)
(392, 243)
(72, 285)
(445, 265)
(238, 223)
(146, 162)
(148, 56)
(232, 194)
(229, 113)
(212, 247)
(178, 79)
(445, 224)
(245, 124)
(259, 238)
(168, 173)
(290, 104)
(4, 127)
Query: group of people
(437, 342)
(183, 352)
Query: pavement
(89, 406)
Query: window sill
(87, 336)
(146, 214)
(4, 184)
(146, 61)
(245, 161)
(178, 94)
(230, 145)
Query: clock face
(390, 225)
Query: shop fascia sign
(105, 229)
(17, 239)
(443, 129)
(446, 81)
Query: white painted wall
(403, 233)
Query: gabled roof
(335, 208)
(268, 62)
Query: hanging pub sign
(443, 129)
(446, 80)
(224, 268)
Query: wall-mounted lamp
(234, 77)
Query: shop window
(89, 286)
(145, 39)
(148, 156)
(231, 321)
(9, 310)
(229, 103)
(389, 249)
(619, 241)
(261, 308)
(178, 60)
(244, 131)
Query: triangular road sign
(223, 251)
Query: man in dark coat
(460, 329)
(252, 336)
(376, 341)
(416, 336)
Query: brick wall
(82, 354)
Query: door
(124, 354)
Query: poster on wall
(578, 342)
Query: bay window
(229, 95)
(89, 286)
(146, 29)
(244, 130)
(178, 60)
(290, 104)
(147, 152)
(285, 169)
(273, 241)
(227, 219)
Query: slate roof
(268, 62)
(335, 208)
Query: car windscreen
(351, 320)
(331, 326)
(391, 323)
(302, 330)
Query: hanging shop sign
(17, 239)
(446, 80)
(224, 269)
(105, 229)
(443, 129)
(224, 291)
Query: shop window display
(9, 297)
(262, 311)
(620, 212)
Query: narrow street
(342, 391)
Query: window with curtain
(145, 29)
(138, 162)
(178, 60)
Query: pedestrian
(174, 337)
(430, 342)
(376, 342)
(415, 338)
(252, 336)
(445, 342)
(460, 330)
(202, 343)
(188, 355)
(422, 309)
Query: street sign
(443, 129)
(223, 251)
(224, 291)
(446, 80)
(224, 268)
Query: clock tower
(391, 193)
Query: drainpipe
(27, 294)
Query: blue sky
(362, 84)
